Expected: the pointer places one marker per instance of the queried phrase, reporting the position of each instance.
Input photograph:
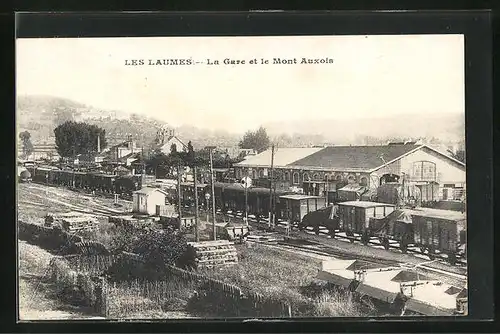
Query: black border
(476, 27)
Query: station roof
(355, 157)
(282, 157)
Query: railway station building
(317, 170)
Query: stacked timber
(210, 254)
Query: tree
(173, 148)
(25, 138)
(459, 155)
(257, 140)
(73, 138)
(189, 159)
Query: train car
(295, 207)
(231, 197)
(326, 217)
(398, 226)
(187, 193)
(354, 217)
(395, 193)
(440, 230)
(127, 184)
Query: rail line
(356, 250)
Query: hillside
(41, 114)
(441, 126)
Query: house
(438, 175)
(40, 151)
(146, 200)
(166, 143)
(119, 152)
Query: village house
(438, 175)
(166, 143)
(40, 151)
(149, 200)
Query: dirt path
(36, 297)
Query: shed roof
(148, 191)
(282, 157)
(354, 157)
(437, 213)
(299, 197)
(364, 204)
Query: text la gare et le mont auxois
(228, 61)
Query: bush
(161, 247)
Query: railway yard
(274, 259)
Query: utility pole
(326, 189)
(271, 187)
(196, 205)
(213, 191)
(179, 195)
(246, 199)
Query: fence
(79, 288)
(81, 278)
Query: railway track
(340, 247)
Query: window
(351, 179)
(261, 173)
(287, 176)
(295, 178)
(424, 170)
(306, 177)
(316, 176)
(338, 177)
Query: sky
(371, 76)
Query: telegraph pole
(271, 187)
(179, 198)
(213, 191)
(196, 204)
(246, 200)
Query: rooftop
(364, 204)
(299, 197)
(437, 213)
(354, 157)
(148, 191)
(282, 157)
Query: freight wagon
(295, 207)
(231, 197)
(440, 230)
(354, 217)
(104, 183)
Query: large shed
(147, 199)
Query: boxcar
(231, 197)
(187, 190)
(354, 217)
(295, 207)
(326, 217)
(442, 230)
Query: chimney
(98, 143)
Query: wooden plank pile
(210, 254)
(72, 222)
